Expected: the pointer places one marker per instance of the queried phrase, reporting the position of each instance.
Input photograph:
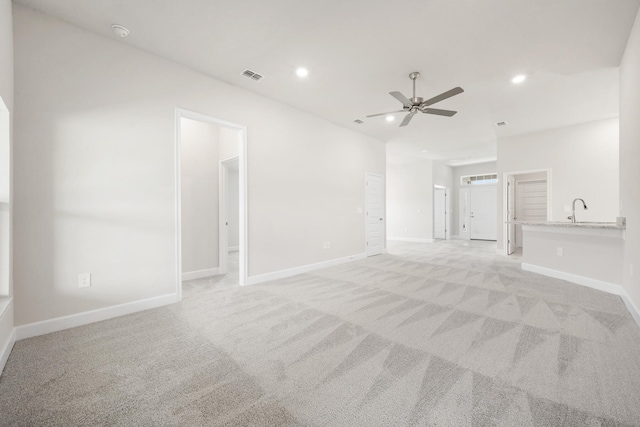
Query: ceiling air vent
(252, 75)
(500, 124)
(358, 121)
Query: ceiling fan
(415, 104)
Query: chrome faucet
(573, 209)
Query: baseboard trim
(267, 277)
(600, 285)
(199, 274)
(411, 239)
(71, 321)
(6, 351)
(10, 339)
(635, 312)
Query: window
(491, 178)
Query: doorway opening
(440, 213)
(527, 196)
(208, 151)
(478, 213)
(229, 205)
(374, 214)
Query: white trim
(79, 319)
(411, 239)
(600, 285)
(6, 351)
(635, 312)
(267, 277)
(243, 258)
(199, 274)
(10, 340)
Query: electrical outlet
(84, 280)
(326, 245)
(560, 251)
(359, 209)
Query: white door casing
(374, 214)
(439, 213)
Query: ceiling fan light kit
(416, 104)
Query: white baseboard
(600, 285)
(411, 239)
(267, 277)
(65, 322)
(6, 350)
(233, 248)
(635, 312)
(199, 274)
(6, 324)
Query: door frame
(243, 261)
(384, 213)
(502, 215)
(447, 210)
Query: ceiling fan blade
(439, 112)
(384, 114)
(448, 94)
(400, 97)
(408, 118)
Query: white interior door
(511, 214)
(439, 213)
(483, 214)
(374, 199)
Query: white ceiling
(359, 50)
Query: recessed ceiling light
(519, 79)
(390, 118)
(119, 30)
(302, 72)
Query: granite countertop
(599, 225)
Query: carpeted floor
(443, 334)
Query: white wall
(199, 178)
(94, 169)
(629, 158)
(410, 200)
(6, 147)
(460, 171)
(584, 163)
(410, 182)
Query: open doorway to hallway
(210, 176)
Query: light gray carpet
(444, 334)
